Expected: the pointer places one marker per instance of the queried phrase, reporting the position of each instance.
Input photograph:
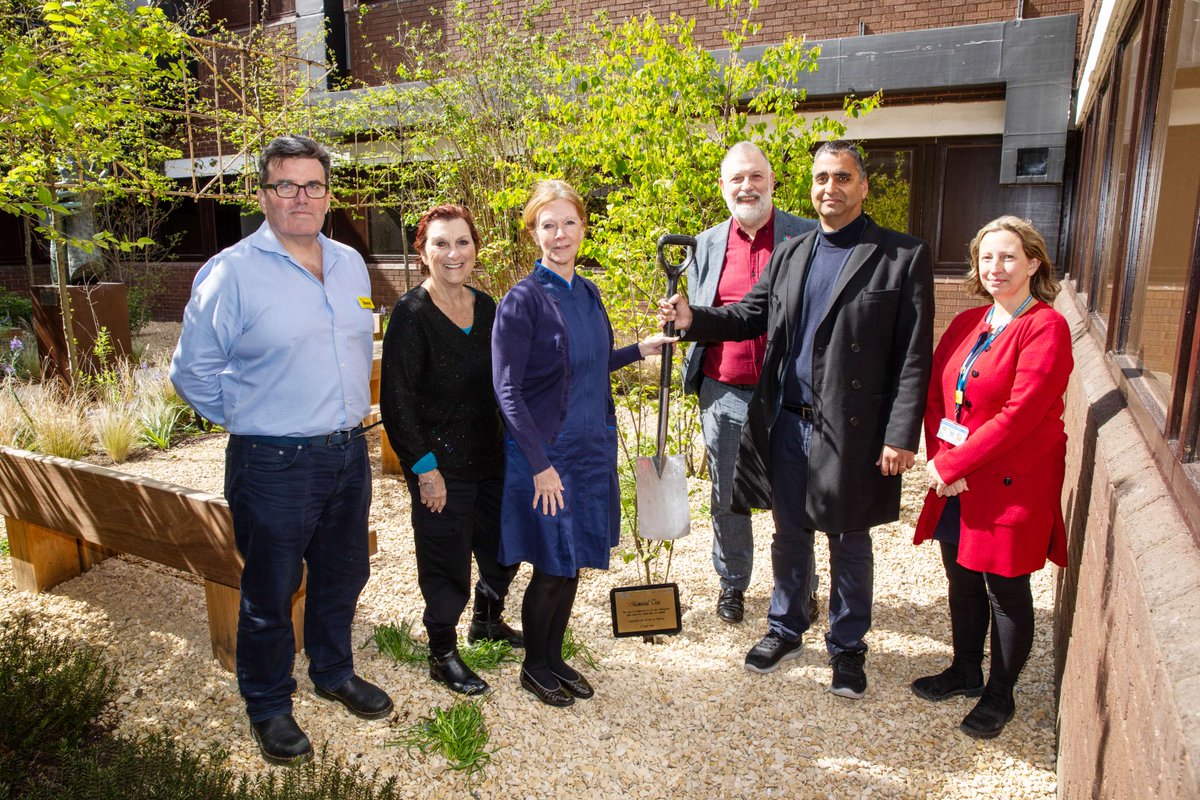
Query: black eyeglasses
(287, 190)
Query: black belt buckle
(342, 437)
(805, 412)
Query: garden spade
(662, 493)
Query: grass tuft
(486, 654)
(457, 732)
(117, 430)
(159, 417)
(59, 422)
(398, 642)
(572, 648)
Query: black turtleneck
(829, 256)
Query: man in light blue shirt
(276, 347)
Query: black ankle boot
(450, 670)
(486, 622)
(989, 716)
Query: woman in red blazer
(996, 450)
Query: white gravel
(680, 719)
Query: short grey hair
(841, 146)
(282, 148)
(744, 147)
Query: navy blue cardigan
(531, 365)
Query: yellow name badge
(365, 302)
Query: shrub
(15, 309)
(15, 430)
(51, 693)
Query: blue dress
(584, 453)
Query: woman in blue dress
(552, 351)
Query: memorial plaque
(645, 610)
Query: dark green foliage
(141, 312)
(317, 780)
(51, 694)
(150, 767)
(15, 309)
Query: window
(1157, 314)
(1121, 156)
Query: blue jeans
(851, 561)
(722, 415)
(294, 505)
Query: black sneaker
(947, 684)
(849, 677)
(766, 656)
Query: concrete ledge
(1127, 616)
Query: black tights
(977, 598)
(545, 612)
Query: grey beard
(752, 216)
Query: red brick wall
(1127, 608)
(778, 19)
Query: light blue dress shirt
(268, 350)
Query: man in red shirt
(729, 259)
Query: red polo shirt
(745, 260)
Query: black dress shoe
(947, 684)
(577, 686)
(731, 605)
(450, 670)
(281, 740)
(989, 716)
(363, 699)
(552, 697)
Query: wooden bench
(64, 516)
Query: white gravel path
(681, 719)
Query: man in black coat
(836, 416)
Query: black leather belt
(745, 387)
(805, 412)
(325, 440)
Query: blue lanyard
(983, 343)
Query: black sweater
(436, 388)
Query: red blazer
(1014, 457)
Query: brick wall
(779, 19)
(1127, 615)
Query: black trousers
(470, 523)
(980, 598)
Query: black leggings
(445, 541)
(977, 598)
(545, 612)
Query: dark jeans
(293, 506)
(470, 523)
(851, 561)
(977, 598)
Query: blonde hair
(545, 193)
(1042, 283)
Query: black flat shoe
(361, 698)
(988, 718)
(946, 684)
(731, 605)
(578, 687)
(281, 741)
(552, 697)
(449, 669)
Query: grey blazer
(705, 274)
(871, 362)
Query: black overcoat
(870, 372)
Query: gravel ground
(678, 719)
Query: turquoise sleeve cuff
(425, 463)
